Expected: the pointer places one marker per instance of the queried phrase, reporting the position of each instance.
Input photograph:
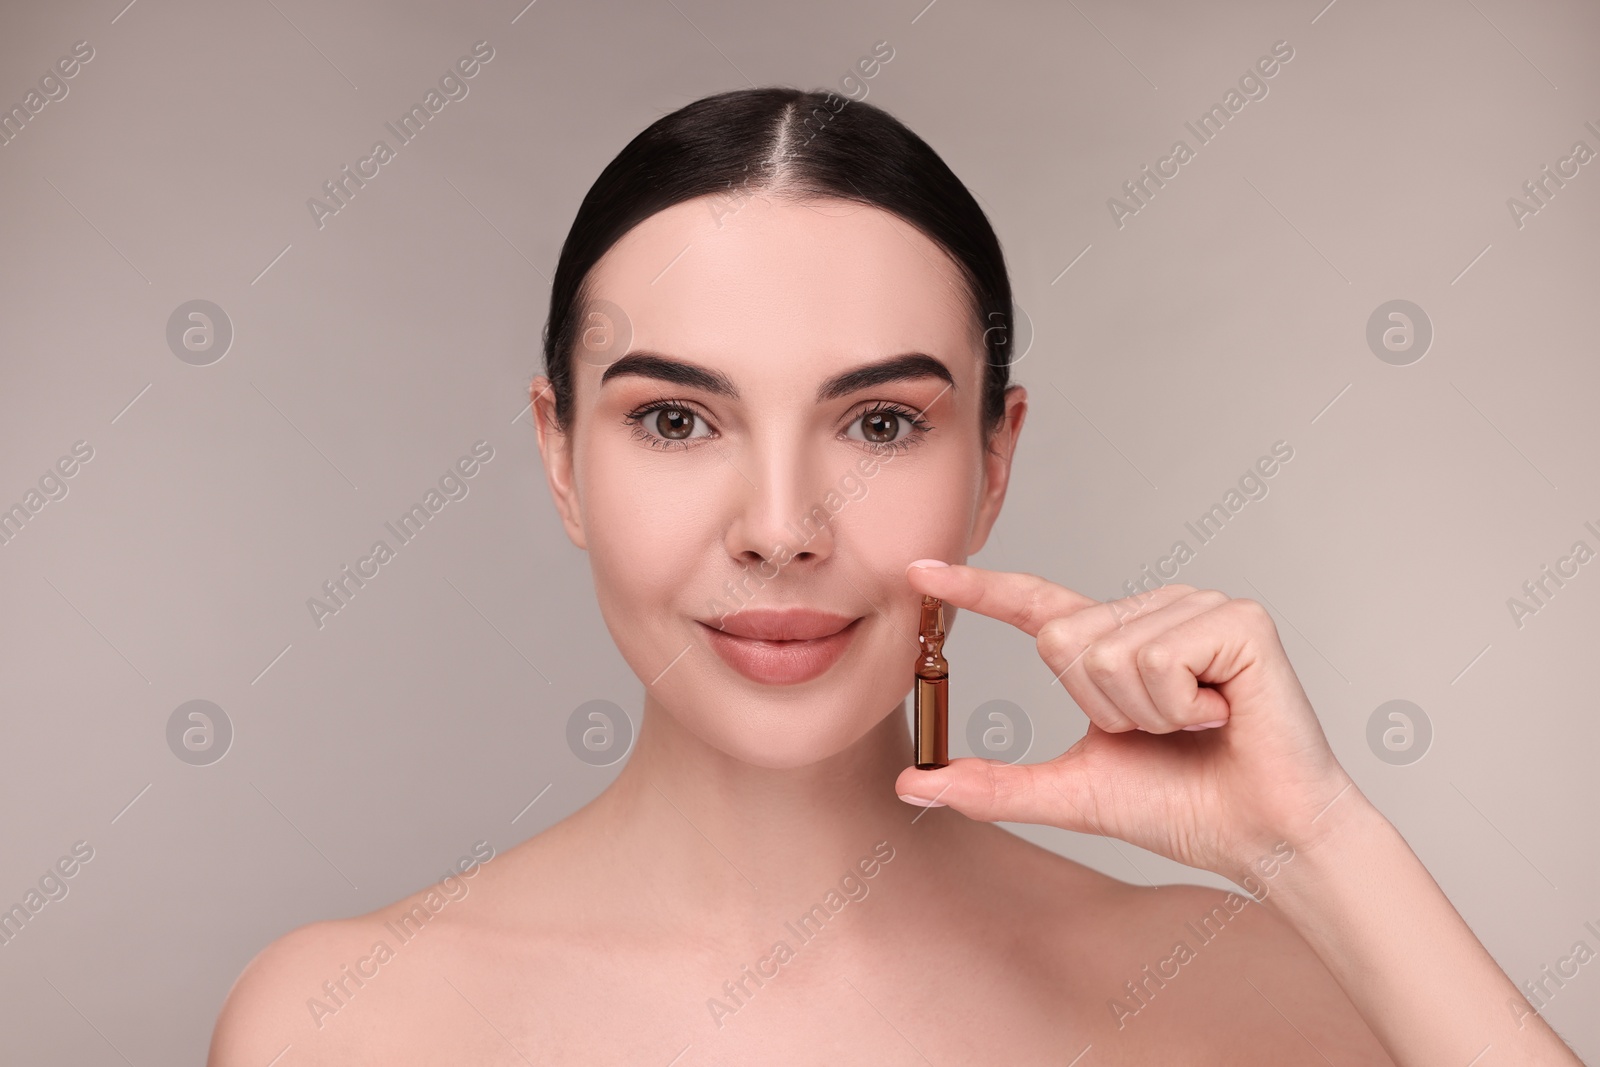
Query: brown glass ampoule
(931, 718)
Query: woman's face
(743, 462)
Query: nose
(781, 512)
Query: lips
(794, 624)
(782, 647)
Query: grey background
(369, 355)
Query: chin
(788, 729)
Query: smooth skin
(644, 927)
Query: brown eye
(880, 426)
(674, 423)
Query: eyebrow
(667, 369)
(909, 366)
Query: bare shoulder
(1202, 974)
(266, 1014)
(1215, 961)
(1042, 874)
(347, 991)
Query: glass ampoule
(931, 703)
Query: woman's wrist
(1320, 814)
(1365, 904)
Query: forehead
(797, 284)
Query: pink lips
(781, 647)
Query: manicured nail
(926, 563)
(1205, 725)
(920, 802)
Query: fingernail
(1205, 725)
(920, 802)
(926, 563)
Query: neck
(728, 838)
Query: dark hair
(795, 144)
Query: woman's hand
(1220, 799)
(1147, 670)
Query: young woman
(778, 376)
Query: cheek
(917, 510)
(907, 513)
(640, 526)
(643, 545)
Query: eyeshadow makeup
(931, 717)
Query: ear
(555, 447)
(1002, 445)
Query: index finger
(1026, 601)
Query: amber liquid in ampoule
(931, 716)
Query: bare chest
(783, 1002)
(782, 999)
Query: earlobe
(555, 449)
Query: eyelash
(635, 419)
(919, 426)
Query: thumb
(996, 791)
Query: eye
(674, 424)
(666, 424)
(881, 427)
